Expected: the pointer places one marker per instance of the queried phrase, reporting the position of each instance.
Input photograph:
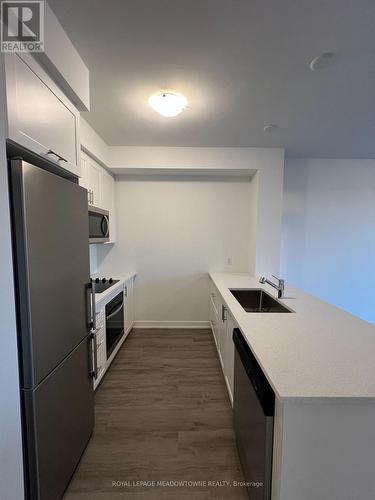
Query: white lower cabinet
(129, 305)
(101, 351)
(214, 320)
(228, 353)
(102, 362)
(222, 325)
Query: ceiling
(242, 64)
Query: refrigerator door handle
(94, 350)
(93, 307)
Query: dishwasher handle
(258, 380)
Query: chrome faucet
(280, 287)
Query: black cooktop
(102, 284)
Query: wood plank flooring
(162, 414)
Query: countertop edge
(282, 396)
(103, 298)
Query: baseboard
(171, 324)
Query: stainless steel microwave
(98, 225)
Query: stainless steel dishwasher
(254, 404)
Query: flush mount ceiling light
(271, 127)
(322, 61)
(168, 103)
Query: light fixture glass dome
(168, 103)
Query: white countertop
(103, 298)
(319, 351)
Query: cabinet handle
(223, 317)
(60, 158)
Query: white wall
(172, 231)
(268, 163)
(328, 231)
(11, 468)
(93, 144)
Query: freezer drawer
(59, 419)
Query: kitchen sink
(256, 300)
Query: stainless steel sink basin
(256, 300)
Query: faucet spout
(280, 287)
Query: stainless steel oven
(98, 225)
(114, 322)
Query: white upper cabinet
(100, 187)
(107, 191)
(94, 179)
(40, 117)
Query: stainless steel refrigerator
(51, 263)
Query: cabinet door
(214, 319)
(221, 336)
(129, 305)
(107, 191)
(40, 117)
(228, 354)
(83, 178)
(94, 178)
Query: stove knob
(110, 280)
(97, 280)
(104, 280)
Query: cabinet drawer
(100, 320)
(101, 359)
(215, 296)
(214, 320)
(100, 338)
(214, 315)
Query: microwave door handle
(105, 231)
(116, 311)
(107, 226)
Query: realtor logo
(22, 26)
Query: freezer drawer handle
(94, 350)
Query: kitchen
(139, 248)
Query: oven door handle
(116, 311)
